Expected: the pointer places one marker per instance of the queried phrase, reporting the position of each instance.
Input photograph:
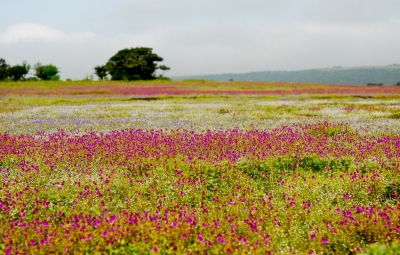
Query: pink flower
(45, 223)
(200, 238)
(216, 224)
(112, 219)
(324, 240)
(9, 251)
(312, 237)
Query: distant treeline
(19, 72)
(128, 64)
(373, 76)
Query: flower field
(311, 173)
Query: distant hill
(388, 75)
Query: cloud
(206, 37)
(35, 32)
(30, 31)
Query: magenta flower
(346, 196)
(46, 224)
(9, 251)
(324, 240)
(112, 219)
(200, 238)
(312, 237)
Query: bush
(47, 72)
(18, 72)
(3, 70)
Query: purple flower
(200, 238)
(220, 239)
(312, 237)
(324, 240)
(9, 251)
(46, 224)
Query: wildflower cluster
(315, 188)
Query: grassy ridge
(186, 88)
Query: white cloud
(36, 32)
(208, 49)
(30, 31)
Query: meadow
(199, 167)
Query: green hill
(388, 75)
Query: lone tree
(132, 64)
(398, 84)
(3, 70)
(47, 72)
(18, 72)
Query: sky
(197, 37)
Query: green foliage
(398, 84)
(380, 249)
(18, 72)
(278, 165)
(47, 72)
(395, 115)
(134, 64)
(392, 190)
(3, 70)
(101, 72)
(32, 79)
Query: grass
(35, 113)
(193, 87)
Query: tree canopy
(47, 72)
(3, 70)
(131, 64)
(101, 72)
(18, 72)
(15, 73)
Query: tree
(101, 72)
(18, 72)
(3, 70)
(47, 72)
(398, 84)
(134, 64)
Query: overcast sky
(202, 36)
